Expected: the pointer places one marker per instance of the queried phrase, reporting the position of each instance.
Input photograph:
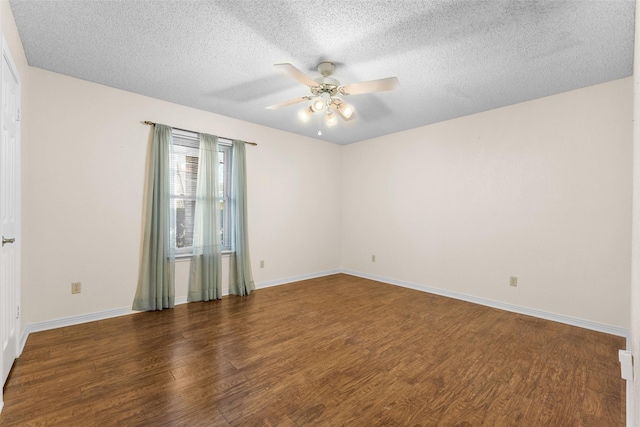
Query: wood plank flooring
(332, 351)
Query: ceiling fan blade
(381, 85)
(294, 73)
(287, 103)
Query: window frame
(226, 148)
(191, 140)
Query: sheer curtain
(205, 278)
(241, 280)
(156, 278)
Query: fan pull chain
(319, 124)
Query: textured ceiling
(453, 58)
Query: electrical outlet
(76, 287)
(261, 263)
(513, 281)
(373, 258)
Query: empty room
(288, 213)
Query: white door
(9, 212)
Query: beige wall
(83, 188)
(539, 190)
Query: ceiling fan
(326, 92)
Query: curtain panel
(156, 288)
(241, 280)
(156, 280)
(205, 277)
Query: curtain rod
(147, 122)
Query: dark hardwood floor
(333, 351)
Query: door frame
(6, 56)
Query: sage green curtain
(156, 277)
(241, 279)
(205, 278)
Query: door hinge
(17, 312)
(18, 119)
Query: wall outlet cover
(76, 287)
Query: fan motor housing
(327, 85)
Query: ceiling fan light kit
(325, 91)
(344, 109)
(331, 119)
(305, 114)
(317, 105)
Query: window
(184, 178)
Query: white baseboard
(296, 279)
(69, 321)
(92, 317)
(101, 315)
(76, 320)
(586, 324)
(629, 393)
